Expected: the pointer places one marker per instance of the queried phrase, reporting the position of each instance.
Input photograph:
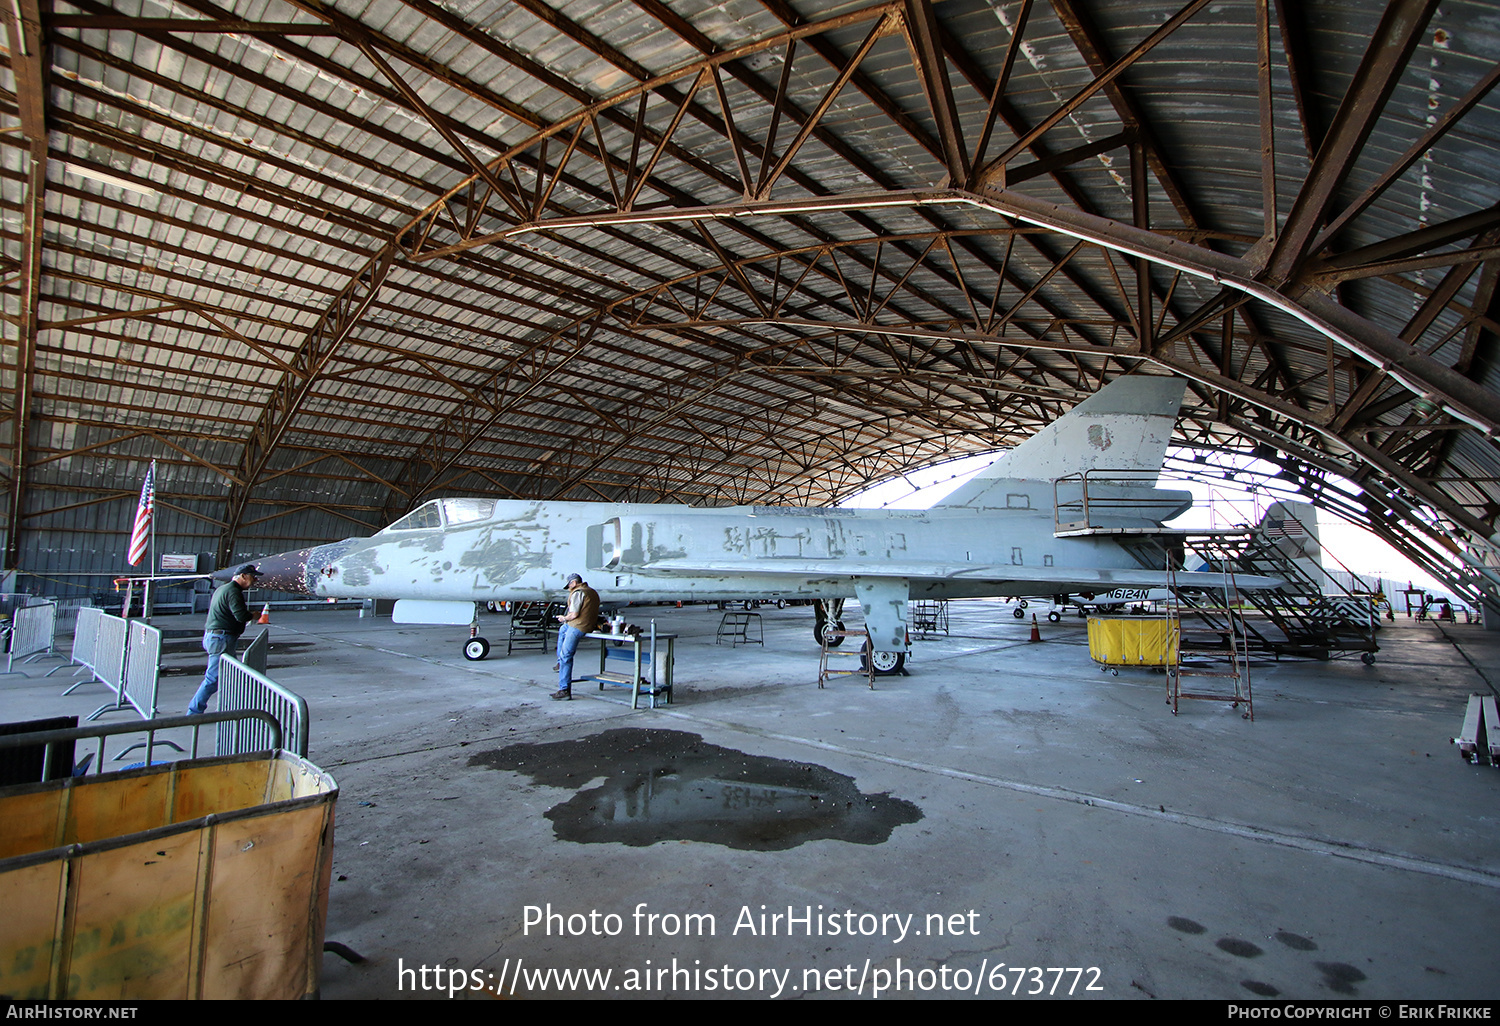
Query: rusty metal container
(206, 878)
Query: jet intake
(623, 545)
(604, 545)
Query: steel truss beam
(767, 287)
(23, 26)
(495, 188)
(684, 302)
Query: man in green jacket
(227, 616)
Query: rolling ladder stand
(862, 653)
(1222, 630)
(929, 617)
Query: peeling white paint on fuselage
(1095, 468)
(526, 550)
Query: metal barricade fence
(68, 609)
(86, 637)
(256, 652)
(142, 667)
(244, 689)
(31, 631)
(109, 653)
(267, 725)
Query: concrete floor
(1335, 847)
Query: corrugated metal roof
(237, 223)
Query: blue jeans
(567, 644)
(215, 643)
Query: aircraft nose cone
(286, 571)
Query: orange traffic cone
(1036, 632)
(265, 614)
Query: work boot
(564, 695)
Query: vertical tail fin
(1293, 528)
(1124, 426)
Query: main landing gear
(828, 615)
(887, 664)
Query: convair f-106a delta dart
(1047, 519)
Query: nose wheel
(476, 649)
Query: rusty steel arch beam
(29, 69)
(1388, 354)
(1420, 374)
(344, 315)
(289, 393)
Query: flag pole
(143, 540)
(147, 608)
(151, 555)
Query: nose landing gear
(476, 648)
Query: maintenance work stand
(630, 661)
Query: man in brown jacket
(581, 617)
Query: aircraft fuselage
(524, 551)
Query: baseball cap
(249, 568)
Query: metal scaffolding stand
(1297, 619)
(736, 627)
(1220, 634)
(929, 616)
(862, 653)
(530, 624)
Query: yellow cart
(1133, 642)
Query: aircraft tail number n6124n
(1005, 533)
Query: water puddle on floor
(668, 785)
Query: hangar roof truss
(339, 257)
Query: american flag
(140, 533)
(1288, 527)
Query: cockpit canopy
(444, 513)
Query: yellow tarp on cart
(205, 878)
(1135, 642)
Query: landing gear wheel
(494, 607)
(887, 664)
(1019, 613)
(1054, 616)
(476, 649)
(832, 625)
(1368, 658)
